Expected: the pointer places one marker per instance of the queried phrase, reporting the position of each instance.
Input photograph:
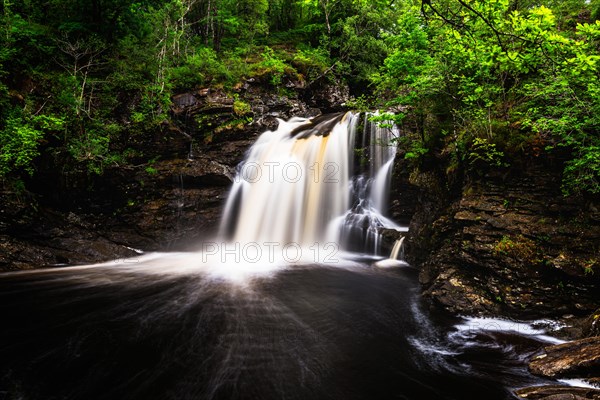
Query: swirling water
(146, 331)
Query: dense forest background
(483, 84)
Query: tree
(502, 72)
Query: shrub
(311, 63)
(518, 247)
(201, 68)
(482, 153)
(273, 67)
(20, 140)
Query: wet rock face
(41, 237)
(328, 97)
(175, 204)
(405, 196)
(579, 358)
(206, 110)
(557, 392)
(506, 244)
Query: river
(347, 331)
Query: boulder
(579, 357)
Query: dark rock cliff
(507, 242)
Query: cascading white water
(296, 185)
(396, 258)
(398, 250)
(360, 227)
(292, 183)
(382, 151)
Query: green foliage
(360, 104)
(482, 153)
(241, 108)
(518, 247)
(506, 81)
(410, 58)
(92, 148)
(273, 67)
(20, 140)
(312, 63)
(481, 82)
(588, 266)
(416, 150)
(582, 173)
(199, 69)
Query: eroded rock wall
(507, 242)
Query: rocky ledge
(558, 392)
(578, 359)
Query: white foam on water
(233, 262)
(537, 329)
(578, 383)
(430, 348)
(390, 263)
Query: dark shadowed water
(308, 332)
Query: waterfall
(396, 258)
(293, 182)
(298, 185)
(359, 228)
(398, 250)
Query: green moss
(517, 247)
(241, 108)
(589, 266)
(237, 123)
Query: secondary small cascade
(397, 252)
(303, 184)
(359, 228)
